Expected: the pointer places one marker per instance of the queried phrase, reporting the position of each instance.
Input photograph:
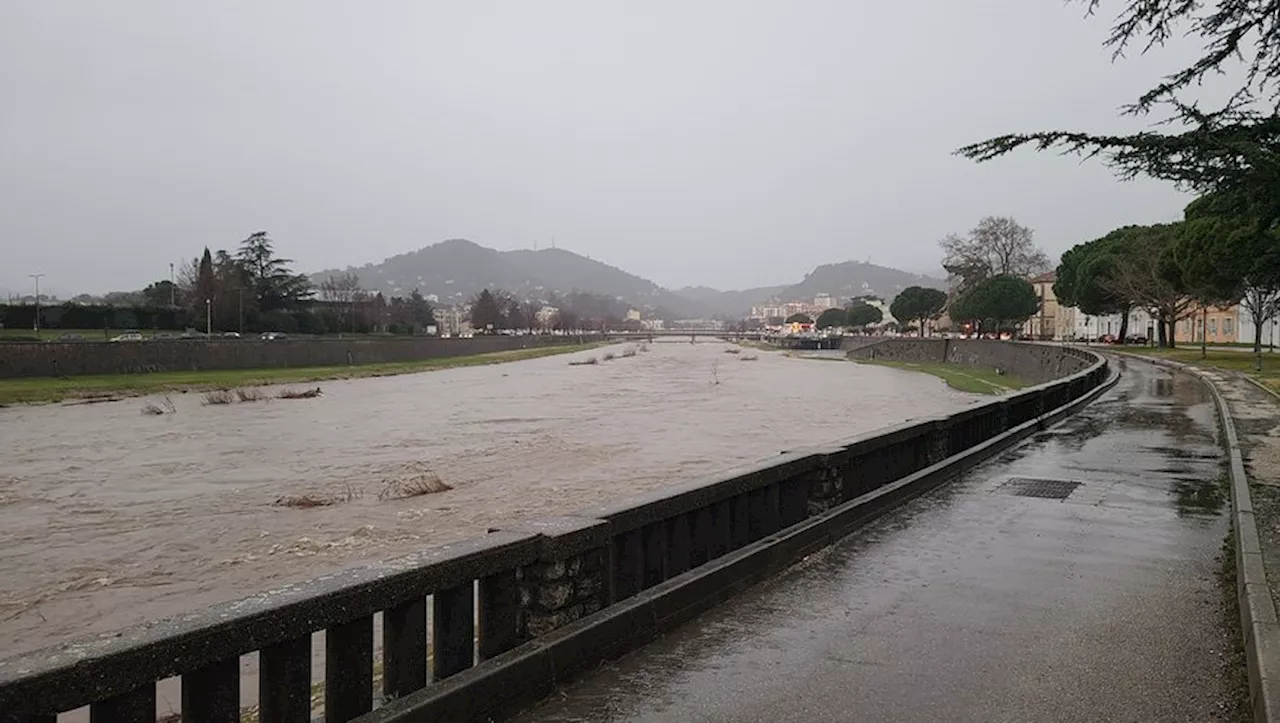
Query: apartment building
(1044, 325)
(1214, 324)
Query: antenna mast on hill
(553, 242)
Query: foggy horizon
(727, 145)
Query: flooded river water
(109, 517)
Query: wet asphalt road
(977, 604)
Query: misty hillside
(732, 304)
(857, 278)
(457, 269)
(842, 280)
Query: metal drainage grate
(1049, 489)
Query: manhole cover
(1049, 489)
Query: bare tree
(529, 309)
(342, 292)
(997, 246)
(188, 274)
(1136, 275)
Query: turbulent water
(110, 517)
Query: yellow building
(1221, 322)
(1044, 324)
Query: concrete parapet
(1034, 363)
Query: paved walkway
(1257, 416)
(978, 604)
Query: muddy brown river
(110, 517)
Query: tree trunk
(1204, 331)
(1162, 331)
(1257, 342)
(1124, 324)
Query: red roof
(1046, 278)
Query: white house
(1076, 325)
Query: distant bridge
(692, 335)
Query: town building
(1245, 329)
(1044, 325)
(1086, 327)
(1211, 324)
(886, 315)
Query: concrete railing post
(938, 444)
(569, 579)
(826, 484)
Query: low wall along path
(1035, 363)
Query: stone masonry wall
(78, 358)
(554, 594)
(1035, 363)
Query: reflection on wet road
(977, 603)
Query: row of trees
(236, 290)
(1225, 247)
(249, 290)
(989, 268)
(354, 309)
(500, 309)
(858, 314)
(1221, 253)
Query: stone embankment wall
(1035, 363)
(23, 359)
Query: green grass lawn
(975, 380)
(1217, 358)
(8, 334)
(29, 390)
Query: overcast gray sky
(730, 143)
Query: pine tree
(485, 312)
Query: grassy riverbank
(33, 390)
(975, 380)
(1235, 361)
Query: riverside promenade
(1075, 577)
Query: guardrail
(496, 600)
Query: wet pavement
(978, 603)
(1257, 418)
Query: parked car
(231, 335)
(273, 336)
(193, 334)
(66, 337)
(129, 336)
(163, 335)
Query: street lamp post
(208, 317)
(35, 324)
(171, 285)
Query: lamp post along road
(35, 323)
(208, 317)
